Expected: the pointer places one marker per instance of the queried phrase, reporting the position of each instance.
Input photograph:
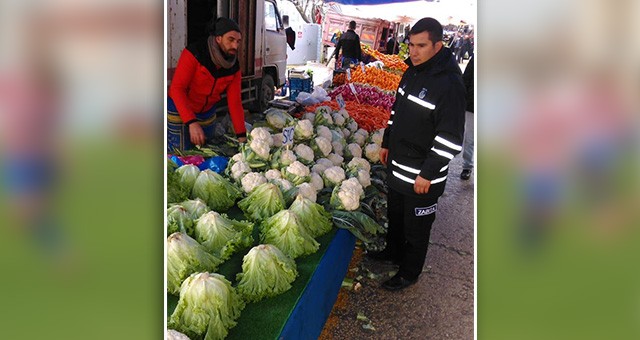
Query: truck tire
(267, 92)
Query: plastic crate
(297, 85)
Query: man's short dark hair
(430, 25)
(352, 25)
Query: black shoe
(382, 257)
(465, 174)
(397, 283)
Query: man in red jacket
(205, 70)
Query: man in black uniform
(350, 44)
(424, 133)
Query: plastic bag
(320, 94)
(306, 99)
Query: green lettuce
(216, 191)
(195, 207)
(208, 307)
(184, 257)
(176, 190)
(179, 219)
(264, 201)
(221, 235)
(311, 215)
(188, 174)
(266, 272)
(285, 231)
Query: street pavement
(440, 305)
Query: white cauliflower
(338, 148)
(352, 125)
(303, 130)
(297, 173)
(287, 157)
(238, 170)
(308, 191)
(336, 159)
(261, 147)
(337, 135)
(316, 181)
(338, 119)
(372, 152)
(323, 109)
(333, 176)
(262, 134)
(278, 139)
(377, 136)
(298, 169)
(304, 153)
(310, 116)
(344, 113)
(323, 146)
(353, 150)
(321, 165)
(360, 137)
(354, 185)
(364, 178)
(323, 118)
(323, 131)
(346, 133)
(359, 163)
(282, 183)
(272, 174)
(251, 180)
(239, 157)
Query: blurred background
(558, 169)
(82, 152)
(81, 166)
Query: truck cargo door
(275, 41)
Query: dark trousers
(410, 220)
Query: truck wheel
(267, 92)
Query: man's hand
(196, 133)
(422, 185)
(242, 139)
(384, 153)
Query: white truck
(263, 53)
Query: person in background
(207, 69)
(291, 34)
(424, 133)
(392, 47)
(350, 44)
(467, 153)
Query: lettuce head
(184, 257)
(262, 202)
(285, 231)
(221, 235)
(266, 272)
(216, 191)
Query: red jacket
(197, 85)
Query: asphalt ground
(440, 305)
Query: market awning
(369, 2)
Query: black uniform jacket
(426, 127)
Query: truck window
(271, 20)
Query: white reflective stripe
(421, 102)
(393, 112)
(442, 153)
(404, 178)
(448, 143)
(401, 91)
(438, 180)
(389, 122)
(405, 168)
(444, 168)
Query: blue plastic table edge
(314, 305)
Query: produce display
(368, 117)
(369, 95)
(290, 195)
(392, 61)
(376, 77)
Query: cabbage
(184, 257)
(188, 174)
(266, 272)
(285, 231)
(179, 219)
(262, 202)
(221, 235)
(216, 191)
(312, 216)
(195, 208)
(207, 308)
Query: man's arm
(234, 100)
